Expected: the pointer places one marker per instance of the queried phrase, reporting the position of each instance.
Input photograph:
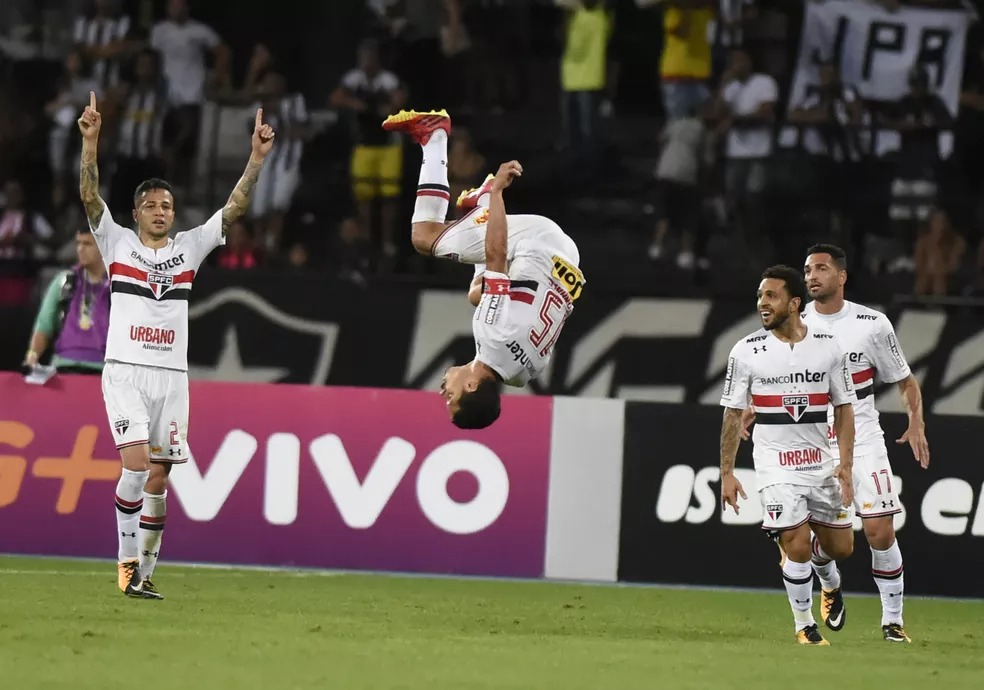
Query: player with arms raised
(526, 268)
(790, 372)
(145, 380)
(873, 351)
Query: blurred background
(684, 145)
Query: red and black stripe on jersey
(864, 382)
(791, 408)
(178, 289)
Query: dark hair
(836, 253)
(795, 285)
(148, 185)
(84, 229)
(480, 407)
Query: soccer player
(873, 350)
(790, 371)
(528, 267)
(145, 379)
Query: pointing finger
(259, 117)
(92, 100)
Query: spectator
(939, 253)
(831, 116)
(139, 152)
(104, 38)
(23, 234)
(685, 66)
(677, 176)
(746, 105)
(369, 94)
(74, 315)
(239, 251)
(74, 86)
(281, 173)
(347, 255)
(584, 68)
(919, 117)
(184, 43)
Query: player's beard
(777, 321)
(824, 294)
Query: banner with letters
(289, 475)
(674, 531)
(874, 49)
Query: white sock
(433, 191)
(151, 531)
(129, 502)
(886, 567)
(798, 578)
(825, 567)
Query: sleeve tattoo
(238, 202)
(89, 186)
(730, 437)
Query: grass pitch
(63, 624)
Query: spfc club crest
(795, 405)
(159, 283)
(774, 510)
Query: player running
(873, 350)
(527, 266)
(790, 372)
(145, 380)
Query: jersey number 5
(553, 313)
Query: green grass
(63, 624)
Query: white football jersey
(522, 314)
(790, 388)
(872, 351)
(148, 315)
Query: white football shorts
(787, 506)
(148, 405)
(875, 487)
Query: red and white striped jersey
(148, 314)
(790, 388)
(872, 351)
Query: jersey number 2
(553, 313)
(174, 434)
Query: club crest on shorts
(121, 425)
(159, 283)
(774, 510)
(795, 405)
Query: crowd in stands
(678, 113)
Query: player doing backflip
(790, 372)
(145, 380)
(526, 265)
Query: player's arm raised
(90, 123)
(497, 230)
(238, 202)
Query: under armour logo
(802, 601)
(892, 594)
(175, 451)
(128, 534)
(150, 553)
(888, 504)
(755, 350)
